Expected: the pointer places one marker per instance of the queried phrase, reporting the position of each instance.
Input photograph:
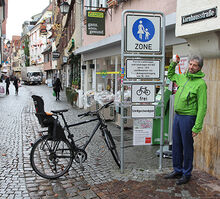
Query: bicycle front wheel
(111, 146)
(51, 159)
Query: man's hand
(176, 58)
(194, 134)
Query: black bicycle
(53, 153)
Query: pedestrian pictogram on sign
(143, 29)
(143, 33)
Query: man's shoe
(183, 180)
(173, 175)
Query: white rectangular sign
(142, 111)
(143, 33)
(143, 93)
(143, 68)
(142, 131)
(182, 66)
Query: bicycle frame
(70, 135)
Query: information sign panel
(143, 33)
(142, 131)
(143, 69)
(142, 111)
(142, 93)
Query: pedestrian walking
(190, 108)
(16, 82)
(57, 87)
(2, 88)
(7, 81)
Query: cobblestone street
(101, 178)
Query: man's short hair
(198, 58)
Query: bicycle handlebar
(85, 114)
(95, 112)
(107, 105)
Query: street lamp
(64, 7)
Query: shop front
(101, 65)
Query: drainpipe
(82, 6)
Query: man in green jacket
(190, 107)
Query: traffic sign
(143, 69)
(143, 33)
(142, 111)
(142, 93)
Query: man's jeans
(182, 149)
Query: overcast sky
(20, 11)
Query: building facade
(199, 25)
(2, 29)
(191, 28)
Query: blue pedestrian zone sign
(143, 29)
(143, 33)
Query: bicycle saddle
(60, 111)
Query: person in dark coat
(57, 87)
(16, 81)
(7, 81)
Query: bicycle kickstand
(80, 162)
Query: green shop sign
(95, 22)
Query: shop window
(107, 74)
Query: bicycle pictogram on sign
(143, 90)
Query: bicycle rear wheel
(111, 146)
(51, 159)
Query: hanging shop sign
(143, 33)
(55, 55)
(43, 28)
(142, 111)
(198, 16)
(142, 68)
(142, 93)
(65, 59)
(95, 22)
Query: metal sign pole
(143, 47)
(162, 93)
(122, 94)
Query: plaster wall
(188, 7)
(207, 143)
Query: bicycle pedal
(82, 168)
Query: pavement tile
(101, 178)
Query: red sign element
(147, 140)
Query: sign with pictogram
(142, 93)
(143, 33)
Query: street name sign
(142, 111)
(143, 69)
(142, 93)
(143, 33)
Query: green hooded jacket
(191, 95)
